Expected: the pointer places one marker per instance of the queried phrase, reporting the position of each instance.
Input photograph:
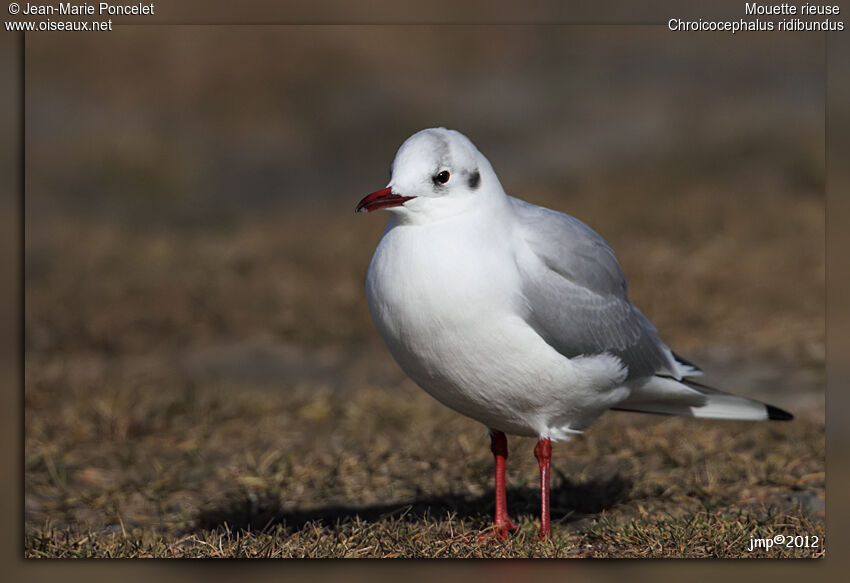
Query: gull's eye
(442, 177)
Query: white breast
(446, 299)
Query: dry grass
(390, 473)
(702, 535)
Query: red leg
(543, 453)
(499, 447)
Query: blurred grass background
(199, 356)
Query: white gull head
(437, 173)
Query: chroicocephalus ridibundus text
(516, 315)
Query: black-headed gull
(516, 315)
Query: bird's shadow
(569, 501)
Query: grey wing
(577, 296)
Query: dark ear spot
(474, 179)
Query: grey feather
(577, 300)
(577, 296)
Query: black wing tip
(777, 414)
(686, 362)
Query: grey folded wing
(577, 295)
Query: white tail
(667, 396)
